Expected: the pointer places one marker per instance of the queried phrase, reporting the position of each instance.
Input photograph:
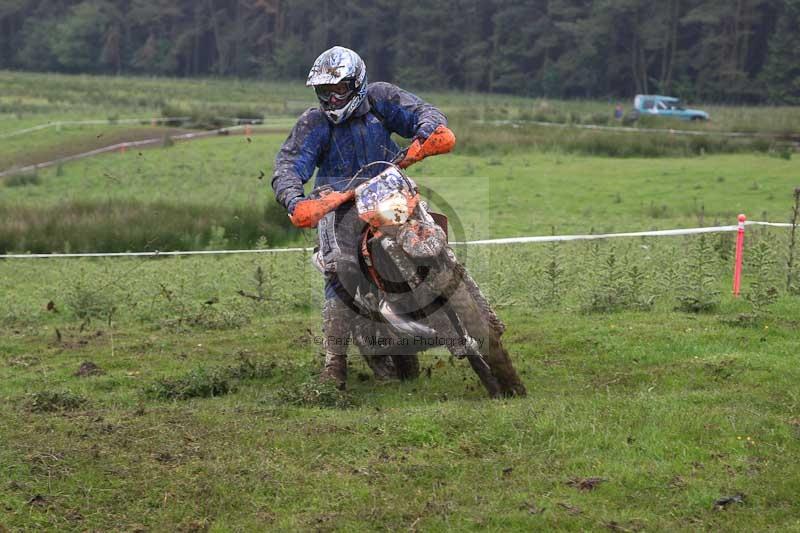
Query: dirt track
(84, 142)
(82, 146)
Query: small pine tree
(697, 293)
(553, 274)
(723, 245)
(260, 281)
(792, 277)
(606, 290)
(635, 288)
(669, 279)
(762, 291)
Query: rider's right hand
(292, 204)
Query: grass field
(227, 188)
(60, 97)
(204, 413)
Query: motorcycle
(419, 295)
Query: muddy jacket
(340, 151)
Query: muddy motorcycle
(417, 292)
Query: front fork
(437, 314)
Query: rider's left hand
(441, 141)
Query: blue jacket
(340, 151)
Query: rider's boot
(336, 328)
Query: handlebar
(307, 213)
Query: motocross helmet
(339, 78)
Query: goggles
(335, 95)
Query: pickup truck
(666, 106)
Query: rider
(351, 127)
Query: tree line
(742, 51)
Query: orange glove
(441, 141)
(308, 213)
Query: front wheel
(481, 323)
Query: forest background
(741, 51)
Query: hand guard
(307, 213)
(441, 141)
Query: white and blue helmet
(339, 78)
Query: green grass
(29, 96)
(501, 137)
(57, 142)
(61, 97)
(493, 194)
(673, 411)
(575, 186)
(118, 226)
(207, 414)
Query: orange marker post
(248, 130)
(737, 266)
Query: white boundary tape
(97, 122)
(113, 122)
(655, 233)
(511, 240)
(119, 146)
(154, 254)
(766, 135)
